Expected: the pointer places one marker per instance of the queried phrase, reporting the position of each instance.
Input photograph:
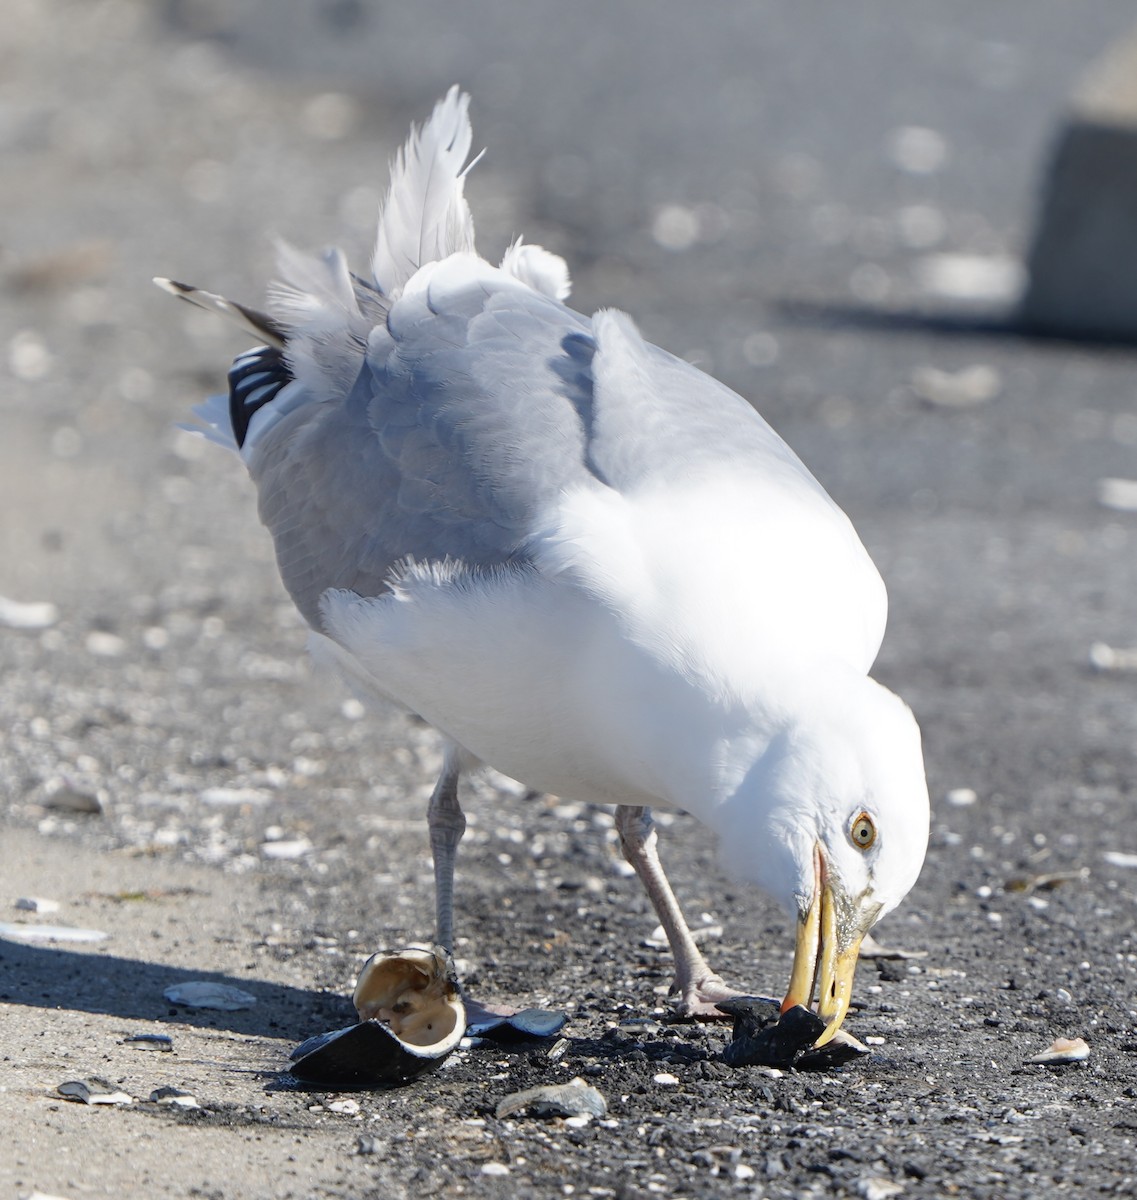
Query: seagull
(584, 562)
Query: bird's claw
(698, 1000)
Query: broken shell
(763, 1037)
(528, 1023)
(94, 1090)
(1062, 1050)
(411, 1019)
(205, 993)
(573, 1099)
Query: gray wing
(483, 408)
(444, 448)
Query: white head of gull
(584, 562)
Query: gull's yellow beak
(829, 939)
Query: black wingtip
(255, 379)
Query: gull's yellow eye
(863, 831)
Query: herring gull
(584, 562)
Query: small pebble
(206, 994)
(1119, 858)
(494, 1168)
(64, 796)
(665, 1079)
(37, 904)
(286, 849)
(1061, 1051)
(105, 645)
(961, 797)
(347, 1107)
(93, 1090)
(174, 1097)
(872, 1187)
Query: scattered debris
(968, 388)
(93, 1090)
(175, 1097)
(1045, 883)
(1118, 494)
(1062, 1051)
(204, 993)
(573, 1099)
(871, 948)
(39, 614)
(37, 904)
(162, 1042)
(50, 933)
(764, 1037)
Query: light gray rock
(1083, 260)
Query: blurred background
(831, 208)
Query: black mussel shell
(763, 1037)
(367, 1055)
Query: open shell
(411, 1018)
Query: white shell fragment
(93, 1090)
(968, 388)
(50, 933)
(205, 993)
(1062, 1050)
(38, 614)
(1106, 658)
(573, 1099)
(1119, 858)
(37, 904)
(1118, 494)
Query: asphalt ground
(769, 189)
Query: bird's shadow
(1001, 323)
(53, 978)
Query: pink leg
(697, 988)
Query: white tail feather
(538, 268)
(425, 217)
